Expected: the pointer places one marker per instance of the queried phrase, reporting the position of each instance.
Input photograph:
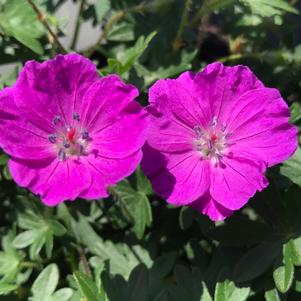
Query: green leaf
(267, 8)
(45, 284)
(88, 287)
(272, 295)
(131, 55)
(284, 272)
(149, 76)
(10, 259)
(40, 232)
(26, 238)
(226, 289)
(122, 260)
(292, 168)
(43, 288)
(238, 231)
(6, 288)
(255, 261)
(186, 217)
(57, 228)
(18, 20)
(143, 184)
(294, 246)
(138, 206)
(63, 294)
(102, 7)
(189, 286)
(295, 112)
(6, 173)
(122, 32)
(3, 159)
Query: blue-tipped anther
(62, 155)
(52, 138)
(66, 144)
(197, 129)
(85, 135)
(56, 119)
(76, 116)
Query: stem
(239, 56)
(177, 43)
(78, 24)
(28, 265)
(200, 13)
(207, 8)
(84, 261)
(42, 20)
(112, 21)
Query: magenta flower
(212, 136)
(70, 133)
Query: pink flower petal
(53, 88)
(176, 102)
(258, 124)
(236, 180)
(21, 138)
(207, 205)
(170, 136)
(125, 136)
(104, 101)
(220, 86)
(57, 182)
(180, 178)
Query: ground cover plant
(160, 162)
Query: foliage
(133, 246)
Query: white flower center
(69, 141)
(212, 141)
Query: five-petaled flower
(212, 136)
(70, 133)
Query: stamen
(81, 150)
(62, 155)
(211, 142)
(76, 116)
(214, 121)
(66, 144)
(52, 138)
(56, 119)
(85, 135)
(198, 131)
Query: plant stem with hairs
(207, 8)
(78, 24)
(41, 17)
(177, 43)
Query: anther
(198, 131)
(214, 121)
(56, 119)
(81, 150)
(85, 135)
(62, 155)
(52, 138)
(66, 144)
(76, 116)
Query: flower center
(69, 141)
(211, 142)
